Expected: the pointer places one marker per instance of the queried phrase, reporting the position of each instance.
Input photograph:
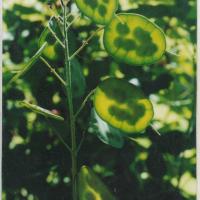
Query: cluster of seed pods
(132, 39)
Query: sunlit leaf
(122, 105)
(91, 187)
(107, 134)
(40, 110)
(133, 39)
(100, 11)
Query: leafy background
(36, 166)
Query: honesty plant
(133, 39)
(120, 106)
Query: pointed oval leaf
(134, 39)
(100, 11)
(41, 111)
(106, 133)
(91, 187)
(122, 105)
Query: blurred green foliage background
(36, 166)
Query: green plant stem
(71, 110)
(85, 43)
(81, 142)
(53, 70)
(70, 24)
(58, 135)
(172, 53)
(84, 102)
(55, 36)
(155, 130)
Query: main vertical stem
(71, 110)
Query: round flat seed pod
(133, 39)
(100, 11)
(122, 105)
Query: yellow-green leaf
(41, 111)
(134, 39)
(100, 11)
(122, 105)
(91, 187)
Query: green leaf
(78, 79)
(107, 134)
(122, 105)
(100, 11)
(29, 64)
(134, 39)
(91, 187)
(41, 111)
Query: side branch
(70, 24)
(85, 43)
(84, 102)
(59, 136)
(53, 70)
(55, 36)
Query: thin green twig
(59, 136)
(172, 53)
(70, 24)
(81, 142)
(53, 70)
(119, 19)
(84, 102)
(55, 36)
(155, 130)
(62, 3)
(85, 43)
